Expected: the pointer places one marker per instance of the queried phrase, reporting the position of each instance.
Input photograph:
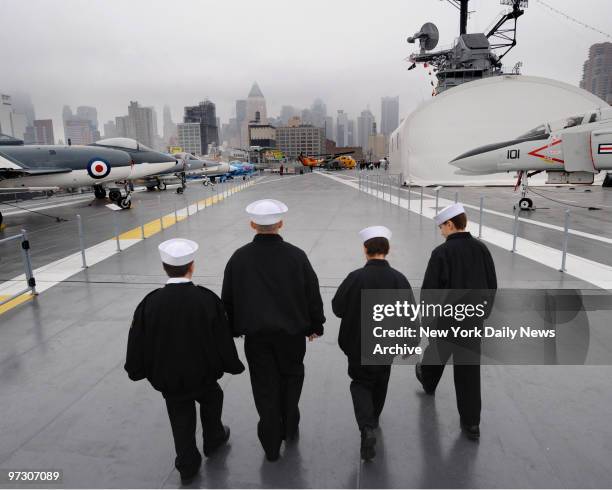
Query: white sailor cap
(177, 251)
(374, 232)
(266, 211)
(449, 212)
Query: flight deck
(68, 404)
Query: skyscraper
(256, 113)
(205, 115)
(241, 134)
(169, 126)
(351, 137)
(286, 113)
(341, 129)
(241, 110)
(256, 105)
(110, 129)
(43, 132)
(365, 124)
(329, 127)
(12, 123)
(78, 132)
(141, 124)
(89, 114)
(597, 71)
(318, 112)
(80, 128)
(22, 104)
(122, 127)
(389, 115)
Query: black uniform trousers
(369, 391)
(182, 413)
(276, 366)
(466, 371)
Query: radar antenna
(428, 37)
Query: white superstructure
(475, 114)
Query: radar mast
(474, 55)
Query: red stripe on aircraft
(535, 153)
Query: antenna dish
(428, 37)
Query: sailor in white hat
(369, 382)
(271, 294)
(180, 341)
(444, 219)
(462, 262)
(266, 212)
(178, 252)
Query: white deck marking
(590, 271)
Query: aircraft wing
(11, 173)
(23, 190)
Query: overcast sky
(348, 52)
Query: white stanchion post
(480, 220)
(565, 239)
(82, 240)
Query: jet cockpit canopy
(124, 143)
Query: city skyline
(126, 65)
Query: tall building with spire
(256, 105)
(256, 113)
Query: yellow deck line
(154, 226)
(14, 302)
(151, 228)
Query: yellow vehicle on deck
(346, 161)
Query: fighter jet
(571, 151)
(238, 168)
(111, 162)
(187, 165)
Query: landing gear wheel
(114, 195)
(525, 203)
(180, 190)
(99, 192)
(162, 186)
(125, 203)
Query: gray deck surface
(66, 402)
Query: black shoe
(273, 457)
(368, 441)
(418, 370)
(294, 436)
(208, 451)
(471, 431)
(188, 477)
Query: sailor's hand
(312, 337)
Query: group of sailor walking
(182, 335)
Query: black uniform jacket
(461, 263)
(376, 274)
(179, 338)
(269, 286)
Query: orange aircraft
(337, 160)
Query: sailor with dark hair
(464, 264)
(271, 294)
(181, 342)
(369, 382)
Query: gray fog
(348, 52)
